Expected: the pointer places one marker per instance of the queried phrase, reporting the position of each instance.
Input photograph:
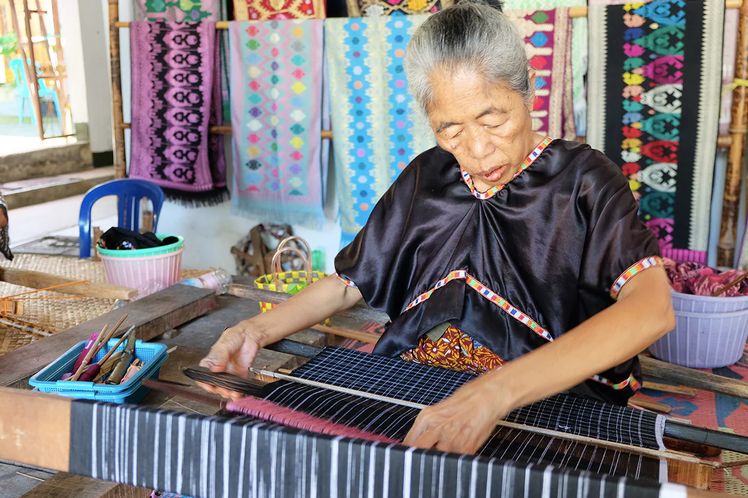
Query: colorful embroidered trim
(630, 381)
(346, 281)
(525, 164)
(632, 270)
(488, 294)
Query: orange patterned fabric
(454, 350)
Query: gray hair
(467, 35)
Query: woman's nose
(479, 144)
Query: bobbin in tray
(153, 355)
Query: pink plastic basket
(146, 274)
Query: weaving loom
(235, 457)
(220, 456)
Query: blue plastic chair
(129, 192)
(23, 92)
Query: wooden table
(187, 318)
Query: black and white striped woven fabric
(423, 384)
(217, 457)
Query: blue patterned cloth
(377, 126)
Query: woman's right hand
(233, 353)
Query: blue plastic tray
(152, 354)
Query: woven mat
(51, 312)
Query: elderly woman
(500, 252)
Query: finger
(218, 356)
(206, 387)
(427, 439)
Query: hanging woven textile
(178, 11)
(276, 81)
(656, 90)
(172, 94)
(373, 8)
(576, 53)
(547, 35)
(263, 10)
(377, 128)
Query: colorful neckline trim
(522, 167)
(488, 294)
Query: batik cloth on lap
(373, 8)
(264, 10)
(377, 126)
(276, 112)
(172, 94)
(577, 53)
(453, 349)
(656, 89)
(547, 35)
(178, 10)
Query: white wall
(85, 32)
(210, 232)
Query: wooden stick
(100, 344)
(666, 388)
(738, 126)
(358, 312)
(51, 287)
(114, 348)
(357, 335)
(736, 463)
(692, 378)
(120, 168)
(650, 405)
(502, 423)
(40, 280)
(89, 355)
(734, 281)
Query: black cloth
(4, 238)
(124, 239)
(551, 242)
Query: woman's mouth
(495, 174)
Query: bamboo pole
(738, 127)
(120, 169)
(580, 11)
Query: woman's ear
(531, 84)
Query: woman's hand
(462, 422)
(233, 353)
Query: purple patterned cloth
(174, 89)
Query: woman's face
(487, 127)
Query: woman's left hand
(462, 422)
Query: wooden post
(738, 127)
(120, 169)
(30, 69)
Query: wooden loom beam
(738, 128)
(40, 280)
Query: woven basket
(289, 282)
